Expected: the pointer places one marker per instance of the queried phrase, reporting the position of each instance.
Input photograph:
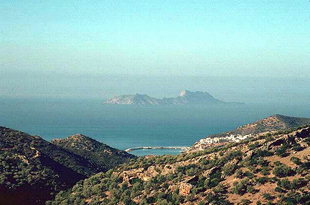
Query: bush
(268, 196)
(296, 160)
(216, 199)
(214, 179)
(298, 148)
(263, 162)
(240, 187)
(239, 174)
(293, 198)
(251, 189)
(298, 183)
(202, 203)
(254, 145)
(265, 171)
(285, 184)
(249, 174)
(280, 190)
(220, 189)
(263, 153)
(245, 202)
(229, 169)
(262, 180)
(283, 171)
(282, 151)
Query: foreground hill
(96, 152)
(32, 170)
(185, 97)
(270, 168)
(269, 124)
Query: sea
(128, 126)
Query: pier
(173, 147)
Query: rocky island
(185, 97)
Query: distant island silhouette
(185, 97)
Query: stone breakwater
(172, 147)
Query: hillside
(272, 123)
(269, 124)
(185, 97)
(270, 168)
(32, 170)
(94, 151)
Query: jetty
(173, 147)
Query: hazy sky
(160, 37)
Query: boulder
(185, 188)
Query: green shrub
(262, 180)
(268, 196)
(282, 151)
(298, 183)
(240, 187)
(265, 171)
(229, 169)
(283, 171)
(239, 174)
(293, 198)
(284, 183)
(263, 153)
(216, 199)
(220, 189)
(296, 160)
(279, 189)
(245, 202)
(214, 179)
(263, 162)
(249, 174)
(251, 189)
(254, 146)
(297, 148)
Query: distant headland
(185, 97)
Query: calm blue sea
(125, 126)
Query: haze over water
(59, 60)
(126, 126)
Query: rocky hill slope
(95, 152)
(270, 168)
(185, 97)
(270, 124)
(32, 170)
